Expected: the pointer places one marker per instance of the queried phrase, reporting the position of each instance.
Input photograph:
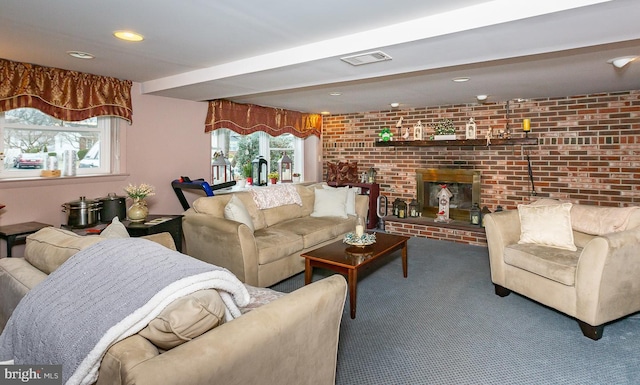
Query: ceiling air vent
(366, 58)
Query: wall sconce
(526, 126)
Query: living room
(587, 139)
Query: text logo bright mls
(31, 374)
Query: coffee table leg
(404, 259)
(353, 290)
(308, 271)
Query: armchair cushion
(552, 263)
(548, 225)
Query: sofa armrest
(291, 340)
(223, 243)
(607, 285)
(502, 229)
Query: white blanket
(102, 295)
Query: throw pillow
(235, 211)
(548, 225)
(347, 172)
(332, 172)
(185, 319)
(115, 230)
(351, 198)
(330, 203)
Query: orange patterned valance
(247, 118)
(66, 95)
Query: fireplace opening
(463, 184)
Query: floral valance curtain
(63, 94)
(247, 118)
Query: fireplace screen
(463, 184)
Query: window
(33, 141)
(242, 149)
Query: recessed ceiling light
(395, 105)
(335, 93)
(460, 79)
(620, 62)
(128, 36)
(325, 113)
(481, 98)
(80, 55)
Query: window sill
(63, 180)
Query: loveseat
(279, 338)
(581, 260)
(260, 238)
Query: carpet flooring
(444, 325)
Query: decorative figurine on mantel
(489, 135)
(407, 134)
(399, 125)
(444, 196)
(471, 129)
(386, 134)
(418, 128)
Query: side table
(155, 224)
(18, 233)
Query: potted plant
(273, 177)
(296, 177)
(445, 130)
(246, 172)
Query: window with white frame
(242, 149)
(33, 141)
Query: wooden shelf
(459, 143)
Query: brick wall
(588, 152)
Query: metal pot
(82, 213)
(112, 206)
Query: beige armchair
(597, 283)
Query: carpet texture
(444, 325)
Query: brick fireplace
(588, 152)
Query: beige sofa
(266, 250)
(597, 282)
(279, 339)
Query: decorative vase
(138, 210)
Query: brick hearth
(588, 152)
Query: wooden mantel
(461, 143)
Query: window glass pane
(278, 145)
(33, 141)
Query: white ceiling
(287, 54)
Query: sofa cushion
(550, 262)
(235, 211)
(274, 243)
(548, 225)
(50, 247)
(185, 319)
(115, 230)
(330, 203)
(317, 230)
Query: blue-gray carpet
(444, 325)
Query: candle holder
(526, 127)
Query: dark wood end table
(348, 260)
(18, 233)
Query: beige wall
(166, 140)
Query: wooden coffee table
(347, 260)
